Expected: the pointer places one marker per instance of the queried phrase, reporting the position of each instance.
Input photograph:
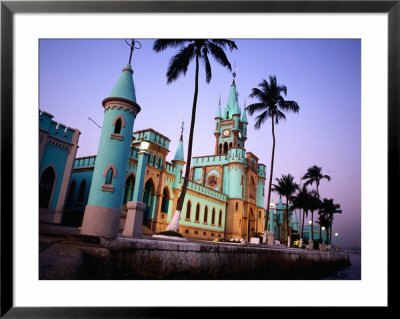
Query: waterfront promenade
(66, 254)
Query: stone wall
(151, 259)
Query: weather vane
(133, 47)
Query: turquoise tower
(103, 211)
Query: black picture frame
(9, 8)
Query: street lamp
(336, 241)
(323, 229)
(140, 172)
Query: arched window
(128, 189)
(227, 115)
(197, 217)
(230, 144)
(237, 206)
(259, 214)
(82, 189)
(117, 128)
(71, 191)
(109, 176)
(188, 208)
(155, 160)
(213, 217)
(165, 201)
(252, 188)
(159, 162)
(225, 147)
(46, 187)
(220, 148)
(220, 218)
(205, 214)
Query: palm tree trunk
(173, 225)
(320, 228)
(312, 225)
(270, 180)
(302, 227)
(287, 221)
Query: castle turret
(103, 211)
(179, 162)
(217, 133)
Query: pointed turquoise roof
(232, 106)
(179, 155)
(124, 87)
(244, 118)
(219, 112)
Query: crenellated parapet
(84, 162)
(262, 171)
(206, 191)
(54, 134)
(57, 131)
(152, 136)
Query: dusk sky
(322, 76)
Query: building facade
(225, 194)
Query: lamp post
(134, 216)
(141, 170)
(336, 241)
(271, 234)
(310, 241)
(322, 234)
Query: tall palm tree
(329, 208)
(271, 105)
(286, 187)
(190, 49)
(314, 175)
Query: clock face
(225, 132)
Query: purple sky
(322, 76)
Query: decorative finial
(132, 45)
(182, 128)
(219, 102)
(234, 73)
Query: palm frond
(260, 119)
(161, 44)
(179, 63)
(219, 55)
(255, 107)
(206, 63)
(224, 42)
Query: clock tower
(230, 130)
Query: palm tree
(197, 49)
(271, 105)
(314, 175)
(301, 201)
(286, 187)
(329, 208)
(313, 205)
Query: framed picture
(25, 24)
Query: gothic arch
(119, 117)
(47, 183)
(114, 168)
